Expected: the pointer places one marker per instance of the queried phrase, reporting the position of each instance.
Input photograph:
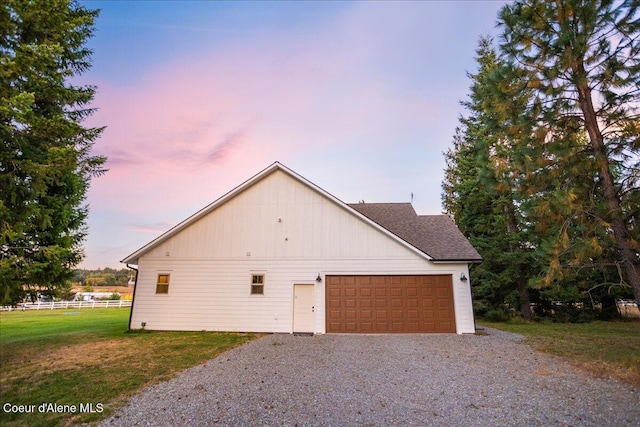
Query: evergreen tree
(481, 186)
(45, 159)
(583, 61)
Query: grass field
(609, 349)
(84, 360)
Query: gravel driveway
(384, 380)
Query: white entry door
(303, 308)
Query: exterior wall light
(318, 279)
(463, 278)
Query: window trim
(257, 285)
(166, 285)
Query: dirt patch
(25, 363)
(85, 354)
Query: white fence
(50, 305)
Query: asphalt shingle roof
(435, 235)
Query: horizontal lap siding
(214, 295)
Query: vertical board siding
(211, 262)
(311, 227)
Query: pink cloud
(337, 100)
(155, 228)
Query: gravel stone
(384, 380)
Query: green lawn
(610, 349)
(28, 325)
(85, 360)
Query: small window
(162, 287)
(257, 284)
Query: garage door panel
(398, 327)
(431, 326)
(443, 292)
(366, 327)
(381, 327)
(444, 315)
(334, 325)
(427, 303)
(382, 304)
(427, 292)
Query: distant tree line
(544, 173)
(102, 277)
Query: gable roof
(401, 229)
(435, 235)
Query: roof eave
(457, 261)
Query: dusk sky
(361, 98)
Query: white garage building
(280, 254)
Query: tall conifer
(480, 189)
(45, 157)
(583, 61)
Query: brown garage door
(390, 304)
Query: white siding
(285, 230)
(215, 295)
(278, 217)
